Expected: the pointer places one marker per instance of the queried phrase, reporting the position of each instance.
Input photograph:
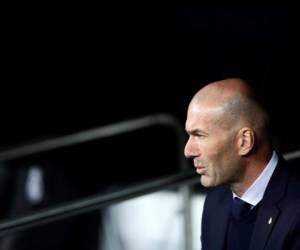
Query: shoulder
(288, 171)
(292, 195)
(293, 169)
(289, 179)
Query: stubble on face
(216, 148)
(220, 164)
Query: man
(231, 150)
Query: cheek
(228, 168)
(221, 164)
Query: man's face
(212, 145)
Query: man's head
(226, 128)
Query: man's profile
(255, 198)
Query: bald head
(223, 90)
(235, 102)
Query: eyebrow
(195, 131)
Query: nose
(190, 149)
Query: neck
(253, 167)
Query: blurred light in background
(151, 222)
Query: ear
(246, 140)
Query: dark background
(69, 69)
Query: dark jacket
(277, 225)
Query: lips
(200, 169)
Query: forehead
(201, 117)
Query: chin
(205, 182)
(208, 182)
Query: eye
(199, 135)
